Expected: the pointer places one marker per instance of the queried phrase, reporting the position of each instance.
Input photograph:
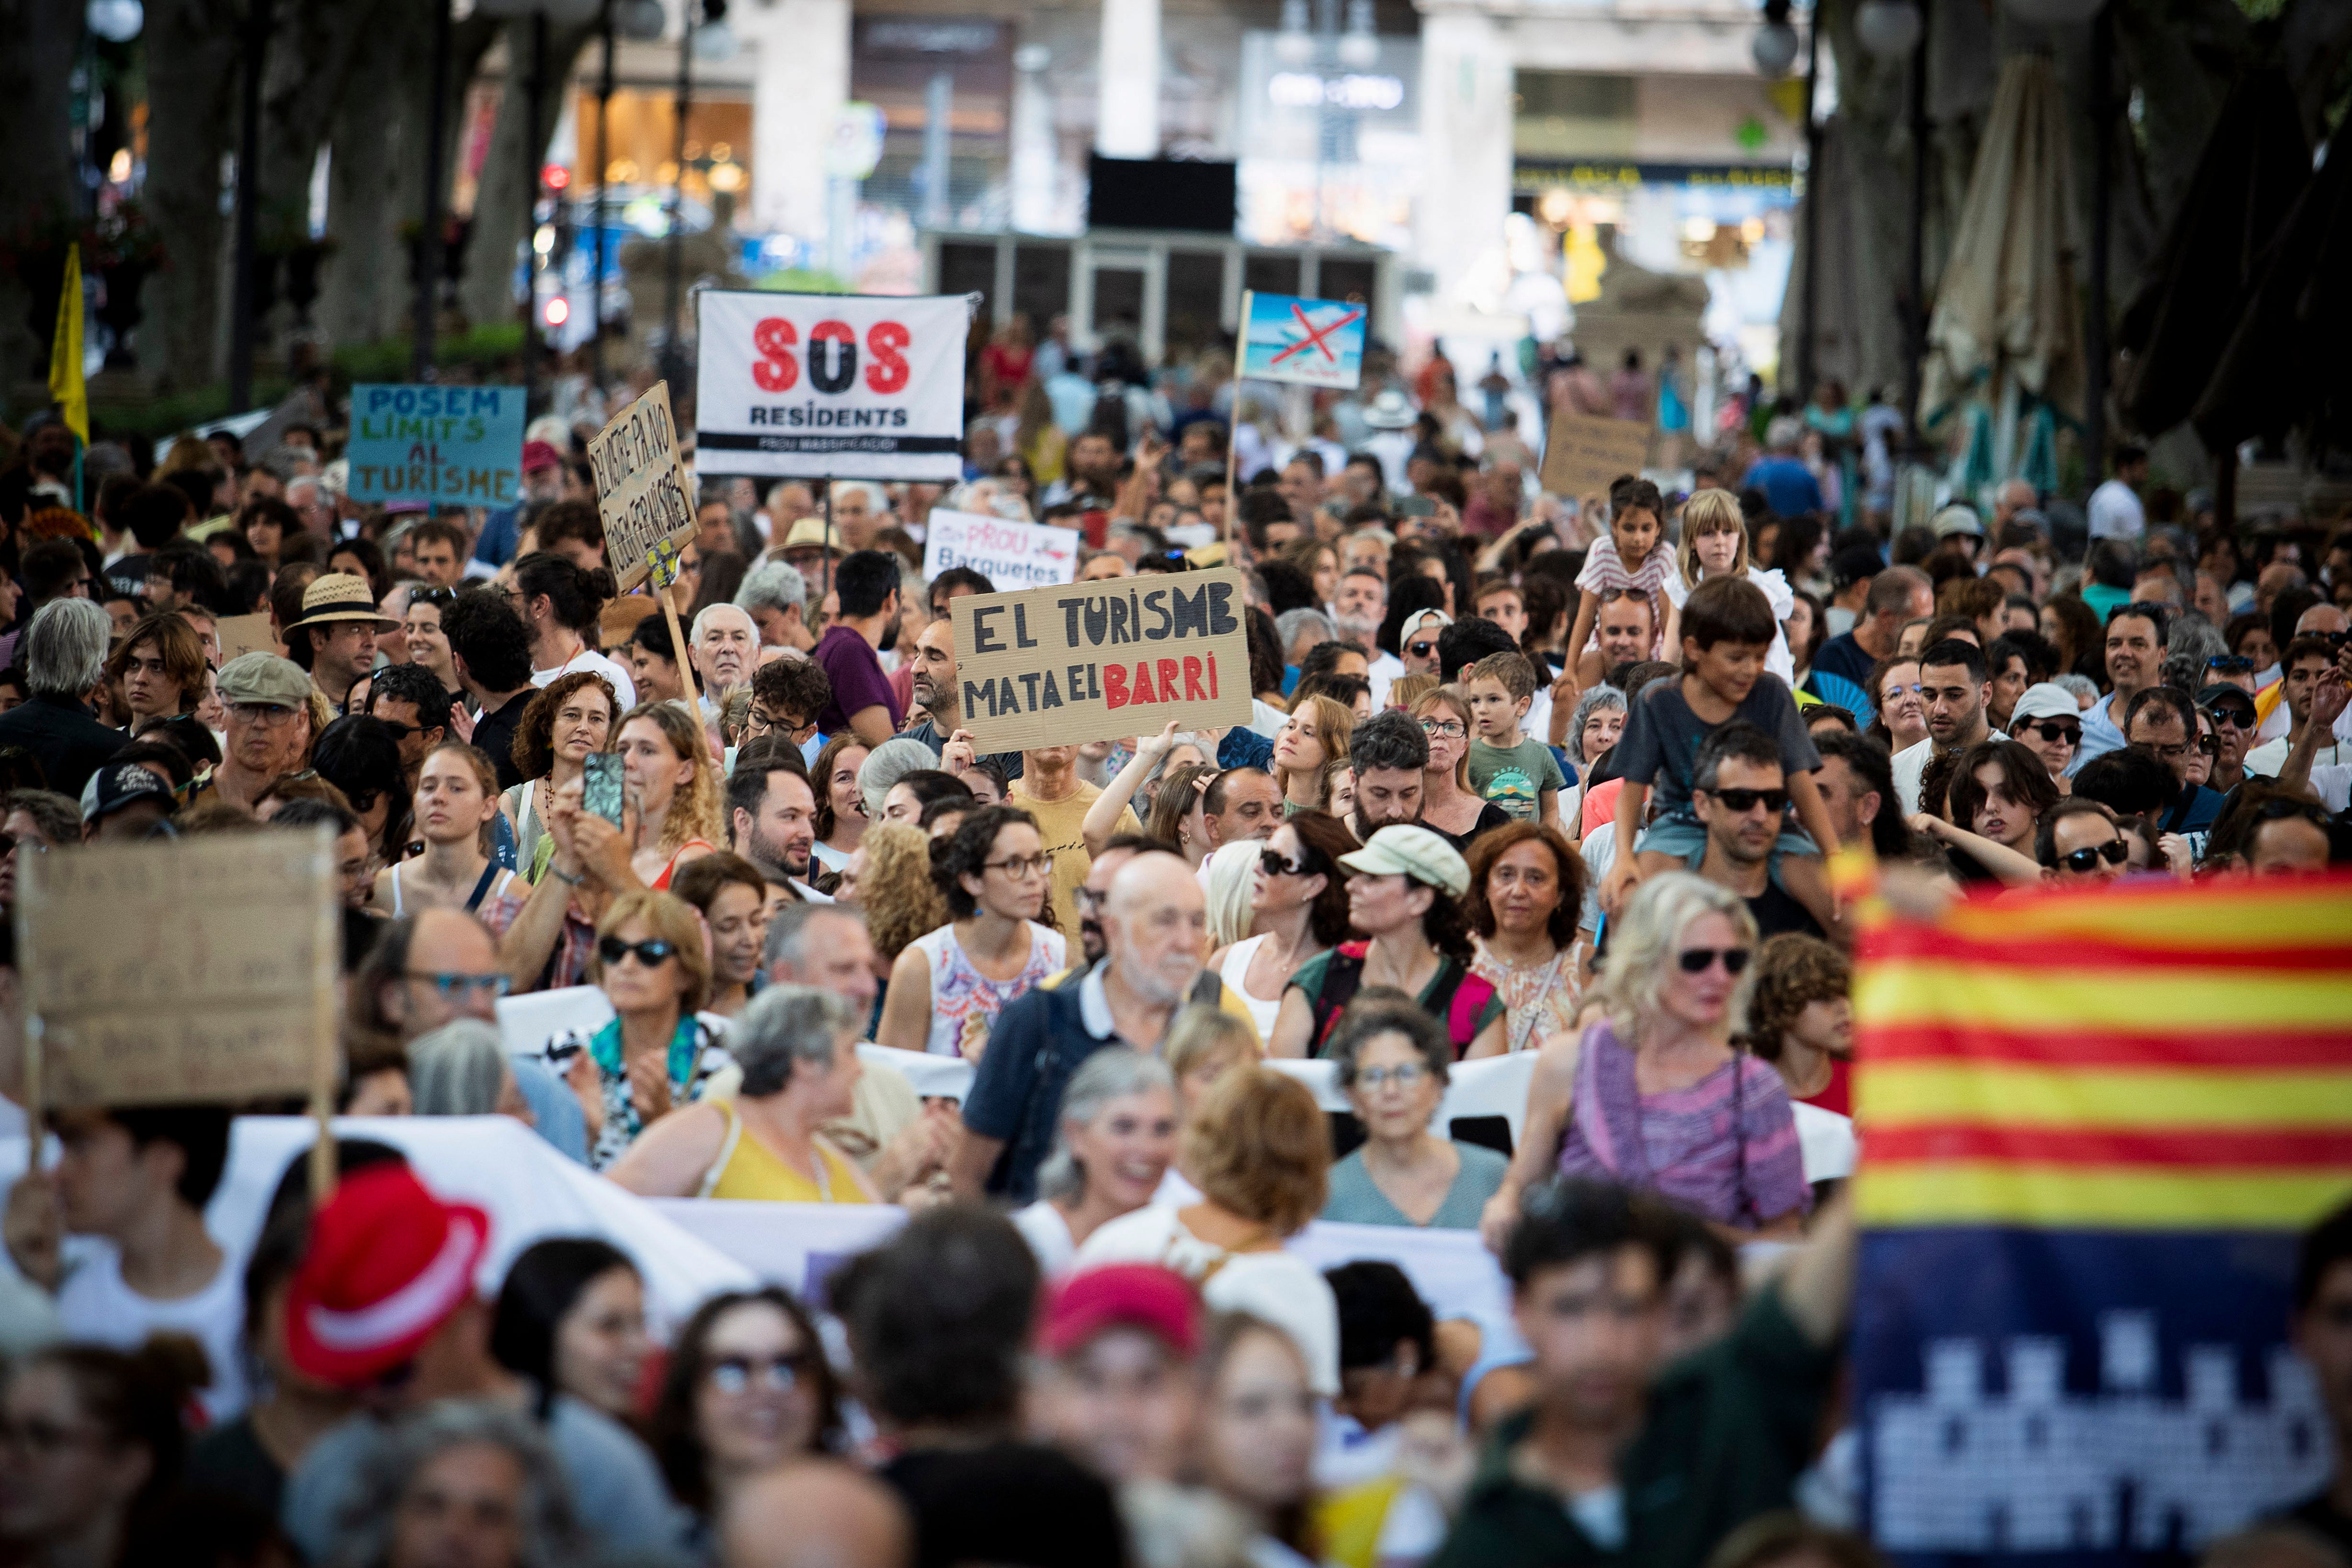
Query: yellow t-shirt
(1060, 824)
(747, 1170)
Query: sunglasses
(2053, 731)
(433, 597)
(779, 1375)
(2115, 852)
(2211, 746)
(1421, 649)
(2235, 663)
(652, 954)
(1742, 801)
(1274, 864)
(2232, 714)
(1695, 960)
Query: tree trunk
(503, 203)
(189, 133)
(1868, 177)
(35, 67)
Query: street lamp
(1774, 48)
(1888, 29)
(1359, 47)
(116, 21)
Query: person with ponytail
(561, 603)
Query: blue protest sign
(1315, 342)
(451, 446)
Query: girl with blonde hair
(673, 781)
(1715, 544)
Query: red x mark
(1314, 335)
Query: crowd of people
(1558, 779)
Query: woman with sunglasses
(797, 1048)
(566, 723)
(1394, 1061)
(1417, 641)
(1299, 909)
(457, 800)
(747, 1392)
(948, 986)
(1448, 803)
(2048, 722)
(1653, 1094)
(656, 1054)
(421, 631)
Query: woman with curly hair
(1527, 891)
(1801, 1019)
(948, 986)
(673, 782)
(895, 889)
(1404, 896)
(567, 721)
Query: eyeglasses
(452, 986)
(1898, 688)
(2115, 852)
(777, 1374)
(1421, 649)
(1695, 959)
(260, 712)
(400, 732)
(10, 844)
(2053, 731)
(1740, 802)
(433, 597)
(1405, 1074)
(2234, 663)
(1019, 867)
(1274, 864)
(1445, 730)
(652, 954)
(2210, 745)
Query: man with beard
(1390, 755)
(935, 693)
(863, 703)
(1155, 924)
(1952, 677)
(771, 812)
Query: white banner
(1008, 554)
(820, 386)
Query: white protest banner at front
(1008, 554)
(641, 486)
(819, 386)
(1096, 661)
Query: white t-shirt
(1782, 598)
(1385, 670)
(2116, 513)
(625, 688)
(1040, 1225)
(2265, 761)
(99, 1309)
(1237, 963)
(1911, 769)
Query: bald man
(819, 1513)
(1155, 922)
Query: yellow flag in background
(66, 383)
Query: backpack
(1344, 975)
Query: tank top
(494, 881)
(661, 883)
(529, 828)
(747, 1168)
(964, 1002)
(1236, 966)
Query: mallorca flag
(2093, 1126)
(66, 384)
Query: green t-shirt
(1515, 778)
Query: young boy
(1516, 772)
(1727, 629)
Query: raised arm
(1102, 816)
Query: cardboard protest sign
(239, 635)
(820, 386)
(642, 489)
(1055, 667)
(182, 971)
(1008, 554)
(1313, 342)
(454, 445)
(1583, 455)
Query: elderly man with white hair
(775, 595)
(726, 642)
(65, 650)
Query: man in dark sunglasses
(2231, 713)
(2080, 843)
(1742, 797)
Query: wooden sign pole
(1234, 426)
(326, 1060)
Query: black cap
(124, 784)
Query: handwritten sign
(641, 486)
(240, 635)
(138, 999)
(454, 445)
(1584, 455)
(1008, 554)
(1313, 342)
(1055, 667)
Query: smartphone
(599, 790)
(1416, 506)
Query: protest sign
(452, 446)
(819, 386)
(1313, 342)
(2098, 1124)
(1583, 455)
(240, 635)
(182, 971)
(1008, 554)
(1056, 667)
(641, 486)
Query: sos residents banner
(817, 386)
(1057, 666)
(1008, 554)
(2094, 1127)
(452, 446)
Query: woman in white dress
(948, 986)
(1117, 1138)
(1298, 905)
(1715, 544)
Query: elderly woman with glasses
(948, 986)
(797, 1047)
(1655, 1094)
(656, 1054)
(1448, 803)
(1394, 1061)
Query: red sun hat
(1159, 1301)
(540, 455)
(387, 1265)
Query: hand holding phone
(601, 786)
